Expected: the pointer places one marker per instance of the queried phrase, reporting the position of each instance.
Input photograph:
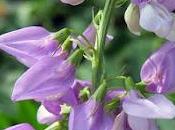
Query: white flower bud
(132, 16)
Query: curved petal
(20, 56)
(90, 35)
(132, 16)
(28, 52)
(157, 106)
(27, 33)
(156, 18)
(116, 93)
(52, 106)
(121, 123)
(158, 71)
(45, 117)
(140, 2)
(23, 126)
(73, 2)
(89, 116)
(169, 4)
(49, 79)
(137, 123)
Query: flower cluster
(52, 59)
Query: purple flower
(50, 110)
(79, 85)
(127, 122)
(158, 70)
(49, 79)
(138, 113)
(89, 116)
(73, 2)
(156, 106)
(90, 35)
(23, 126)
(114, 94)
(30, 44)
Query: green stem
(98, 72)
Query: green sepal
(112, 105)
(97, 18)
(119, 3)
(67, 45)
(129, 83)
(76, 57)
(84, 94)
(100, 92)
(62, 35)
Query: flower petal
(49, 78)
(121, 123)
(158, 71)
(156, 18)
(23, 126)
(28, 52)
(116, 93)
(73, 2)
(89, 116)
(157, 106)
(45, 117)
(169, 4)
(29, 33)
(137, 123)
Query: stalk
(98, 72)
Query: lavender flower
(139, 113)
(48, 79)
(158, 70)
(79, 85)
(50, 110)
(30, 44)
(156, 106)
(90, 35)
(23, 126)
(89, 116)
(73, 2)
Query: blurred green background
(124, 55)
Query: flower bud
(132, 16)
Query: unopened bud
(132, 16)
